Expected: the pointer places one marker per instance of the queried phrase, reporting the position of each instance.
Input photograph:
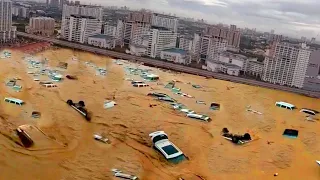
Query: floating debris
(109, 104)
(253, 111)
(118, 173)
(63, 65)
(200, 102)
(100, 138)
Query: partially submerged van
(49, 85)
(309, 111)
(285, 105)
(14, 101)
(140, 85)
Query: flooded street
(66, 148)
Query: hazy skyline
(289, 17)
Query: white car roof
(165, 143)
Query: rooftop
(160, 28)
(82, 16)
(176, 50)
(228, 65)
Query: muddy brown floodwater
(68, 151)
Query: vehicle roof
(15, 99)
(285, 104)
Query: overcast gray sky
(293, 17)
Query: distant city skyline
(293, 18)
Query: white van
(49, 85)
(14, 101)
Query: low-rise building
(227, 68)
(102, 41)
(176, 55)
(138, 50)
(236, 59)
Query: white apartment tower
(166, 21)
(288, 65)
(160, 39)
(185, 43)
(79, 28)
(80, 21)
(134, 31)
(7, 31)
(211, 47)
(84, 10)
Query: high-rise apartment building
(140, 16)
(196, 44)
(83, 10)
(313, 40)
(7, 31)
(134, 31)
(110, 30)
(159, 40)
(79, 28)
(41, 25)
(185, 43)
(166, 21)
(211, 47)
(288, 65)
(80, 22)
(232, 34)
(312, 79)
(120, 33)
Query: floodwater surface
(64, 147)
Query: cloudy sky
(292, 17)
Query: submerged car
(164, 146)
(199, 116)
(155, 94)
(80, 107)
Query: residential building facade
(79, 28)
(165, 21)
(159, 40)
(254, 68)
(110, 30)
(312, 79)
(81, 21)
(185, 43)
(41, 25)
(211, 47)
(288, 65)
(7, 31)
